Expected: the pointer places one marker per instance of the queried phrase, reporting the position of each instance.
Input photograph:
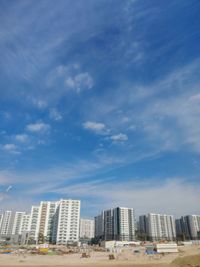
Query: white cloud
(164, 115)
(119, 137)
(38, 127)
(21, 138)
(82, 81)
(55, 115)
(10, 148)
(68, 78)
(144, 197)
(94, 126)
(39, 103)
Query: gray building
(155, 227)
(188, 227)
(115, 224)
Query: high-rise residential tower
(46, 220)
(124, 224)
(34, 224)
(25, 223)
(86, 229)
(118, 224)
(7, 223)
(158, 226)
(188, 227)
(67, 219)
(99, 227)
(17, 223)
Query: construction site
(117, 254)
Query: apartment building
(25, 223)
(86, 229)
(7, 223)
(55, 222)
(46, 220)
(68, 219)
(108, 225)
(118, 224)
(188, 227)
(143, 227)
(99, 227)
(1, 219)
(158, 227)
(124, 224)
(17, 223)
(34, 224)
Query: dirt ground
(186, 257)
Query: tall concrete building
(143, 227)
(17, 223)
(25, 223)
(46, 220)
(7, 223)
(67, 219)
(188, 227)
(34, 224)
(124, 224)
(99, 227)
(108, 224)
(86, 229)
(1, 219)
(158, 227)
(55, 222)
(118, 224)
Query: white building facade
(67, 219)
(1, 219)
(86, 229)
(34, 224)
(55, 222)
(188, 227)
(16, 230)
(161, 227)
(7, 223)
(124, 224)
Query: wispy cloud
(97, 127)
(10, 148)
(143, 196)
(55, 114)
(39, 103)
(119, 137)
(38, 127)
(23, 138)
(122, 90)
(70, 78)
(164, 113)
(80, 82)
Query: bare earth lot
(187, 257)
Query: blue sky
(100, 101)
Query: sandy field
(187, 257)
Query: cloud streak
(144, 196)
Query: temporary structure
(166, 248)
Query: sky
(100, 101)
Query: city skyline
(60, 222)
(100, 101)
